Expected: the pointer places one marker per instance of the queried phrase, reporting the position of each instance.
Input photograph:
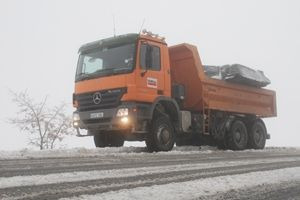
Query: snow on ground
(199, 188)
(74, 152)
(85, 152)
(6, 182)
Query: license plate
(96, 115)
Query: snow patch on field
(199, 188)
(120, 151)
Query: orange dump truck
(134, 87)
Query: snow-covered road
(132, 173)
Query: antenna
(114, 25)
(142, 26)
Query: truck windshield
(105, 61)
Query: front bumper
(107, 120)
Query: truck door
(150, 76)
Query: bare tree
(46, 126)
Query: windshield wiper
(108, 71)
(121, 70)
(103, 71)
(83, 76)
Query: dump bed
(203, 92)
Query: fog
(39, 41)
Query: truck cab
(118, 80)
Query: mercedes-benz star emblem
(97, 97)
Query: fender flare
(175, 111)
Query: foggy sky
(39, 41)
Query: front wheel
(100, 140)
(108, 140)
(161, 136)
(116, 140)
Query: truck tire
(257, 135)
(108, 140)
(100, 140)
(116, 140)
(162, 136)
(237, 137)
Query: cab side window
(150, 57)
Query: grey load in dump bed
(237, 73)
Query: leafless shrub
(45, 126)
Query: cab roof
(119, 40)
(110, 42)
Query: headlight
(124, 120)
(75, 124)
(122, 112)
(76, 117)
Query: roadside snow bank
(199, 188)
(85, 152)
(74, 152)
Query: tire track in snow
(35, 167)
(113, 182)
(94, 174)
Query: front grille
(109, 99)
(93, 121)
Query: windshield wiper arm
(121, 70)
(100, 71)
(83, 76)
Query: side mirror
(143, 72)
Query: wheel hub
(257, 136)
(238, 136)
(163, 135)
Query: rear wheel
(237, 137)
(257, 135)
(161, 136)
